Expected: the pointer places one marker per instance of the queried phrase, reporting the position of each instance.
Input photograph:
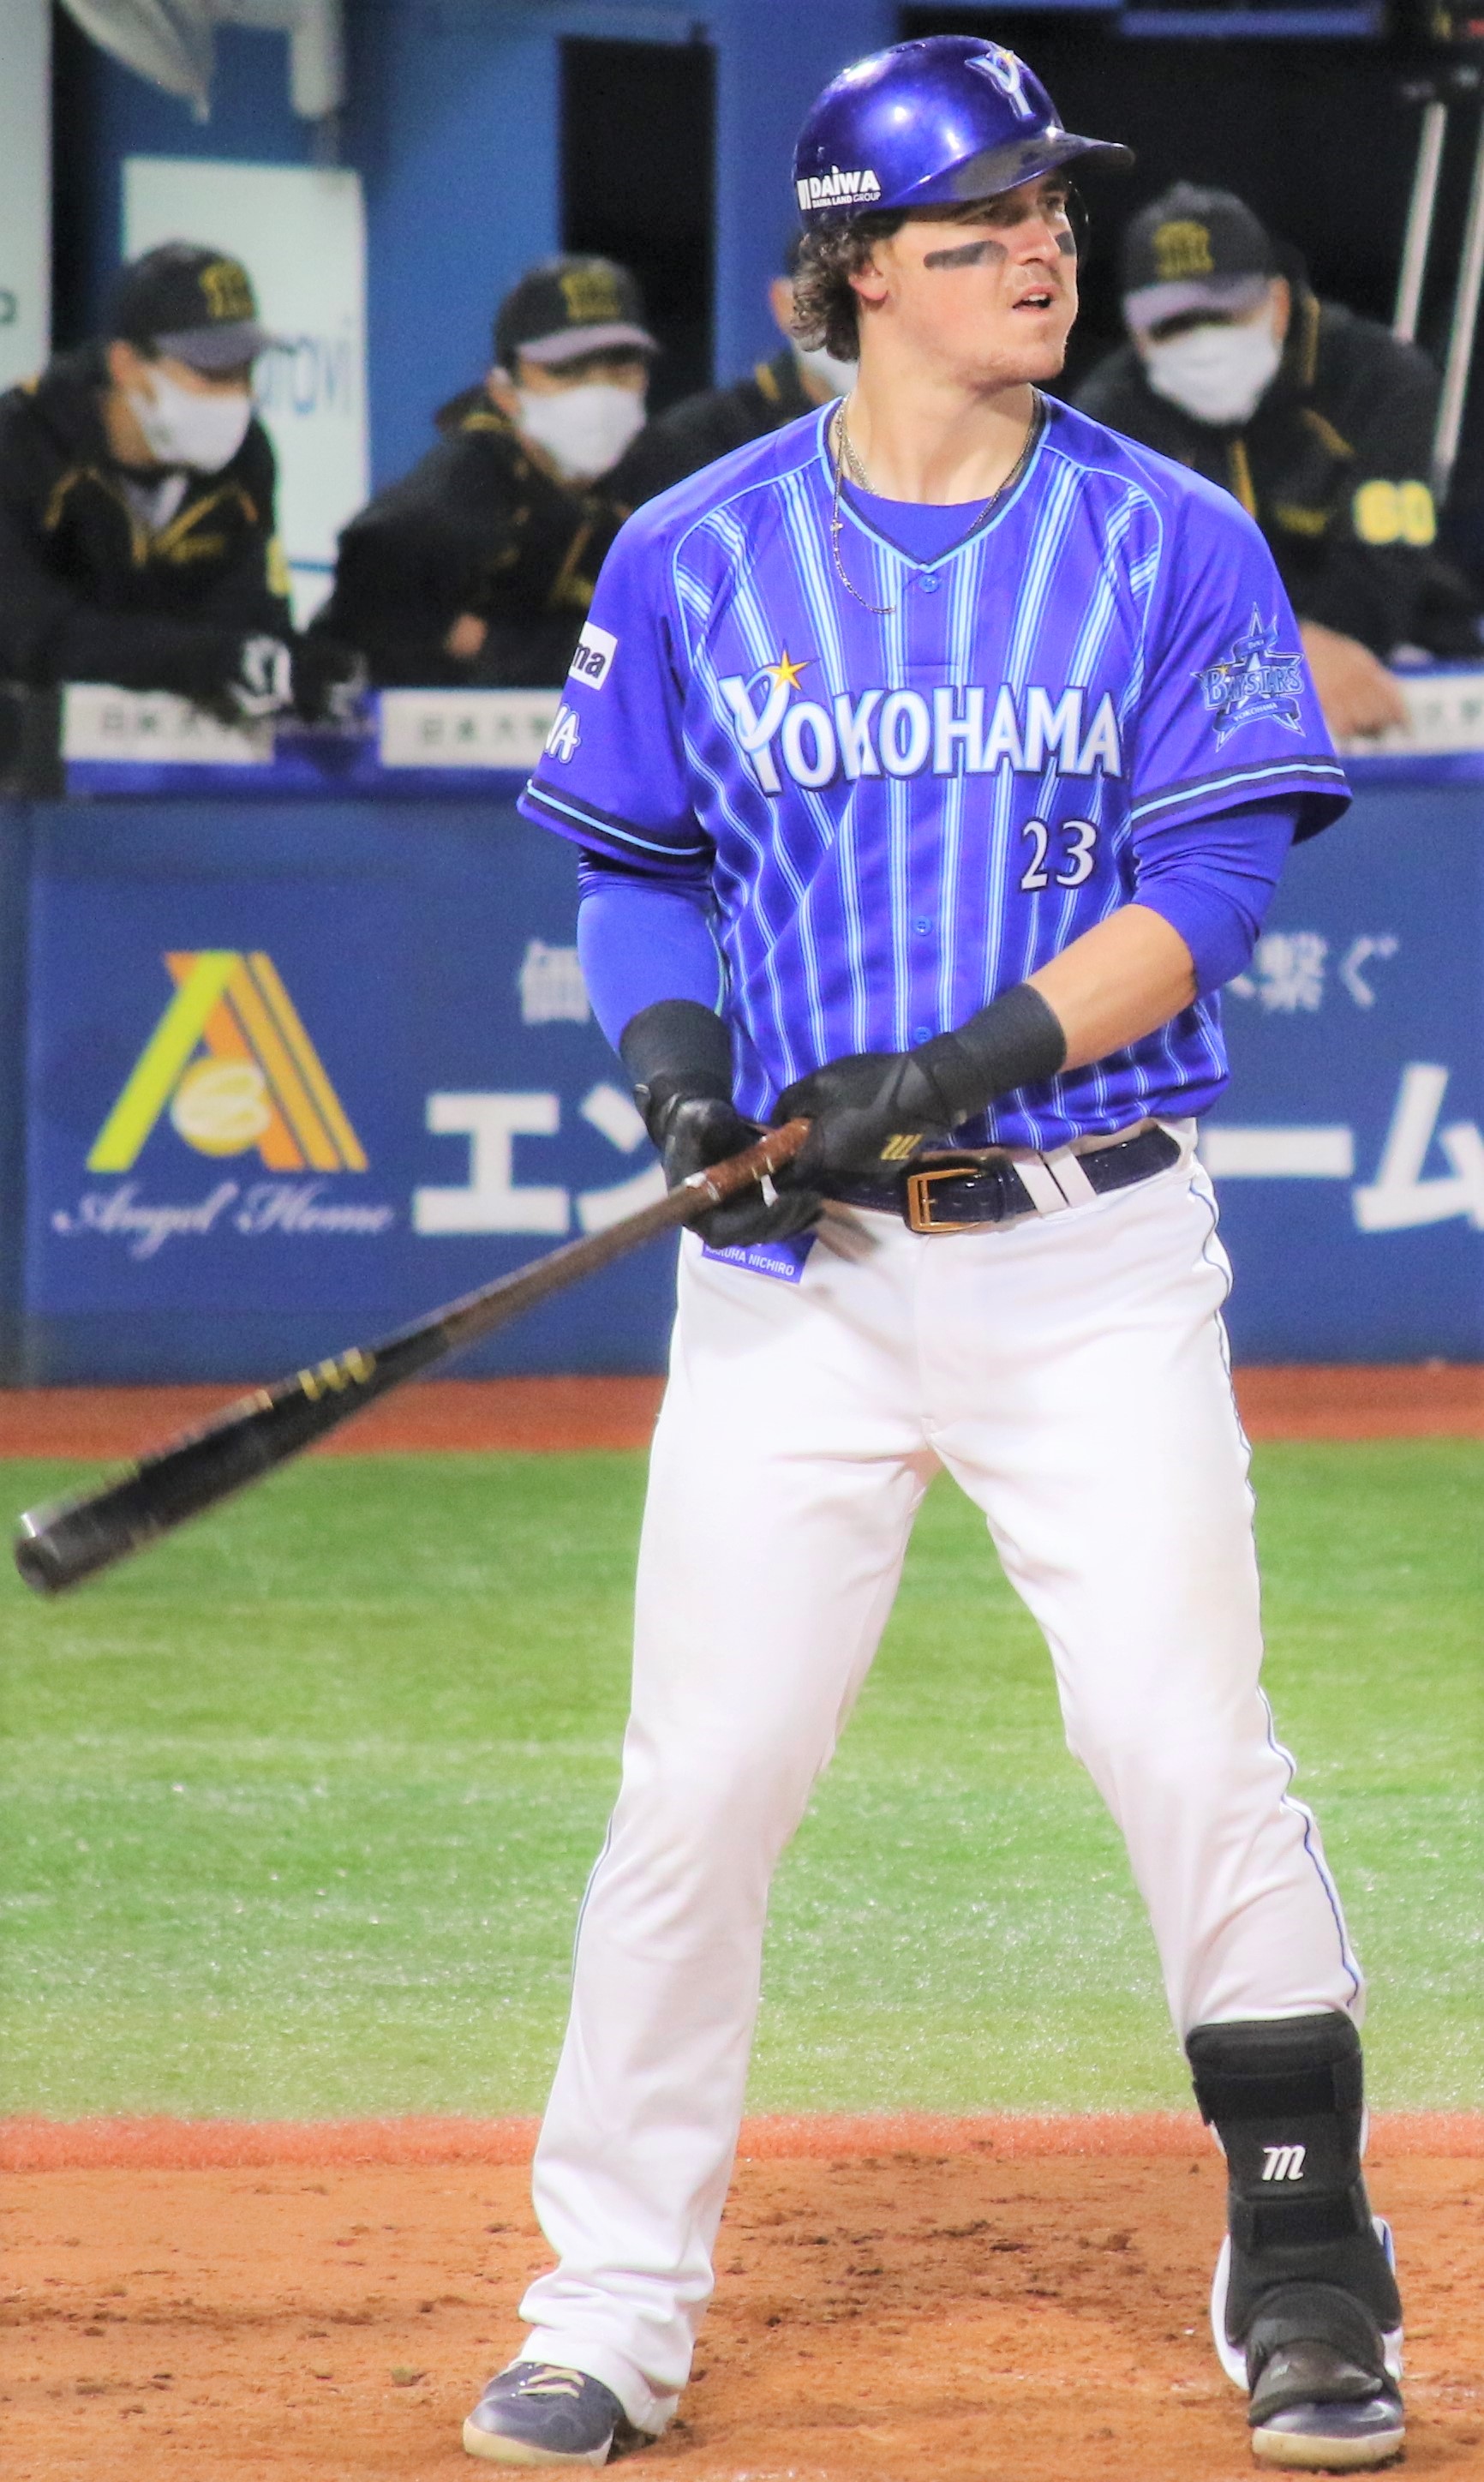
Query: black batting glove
(700, 1131)
(326, 681)
(873, 1109)
(867, 1112)
(679, 1056)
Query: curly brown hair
(825, 309)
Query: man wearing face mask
(477, 569)
(707, 426)
(137, 541)
(1318, 421)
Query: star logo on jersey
(1257, 683)
(788, 670)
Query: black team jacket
(702, 428)
(475, 527)
(1333, 466)
(89, 591)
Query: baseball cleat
(1324, 2431)
(535, 2413)
(1233, 2358)
(1313, 2408)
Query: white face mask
(828, 369)
(1213, 372)
(184, 429)
(583, 429)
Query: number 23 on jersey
(1060, 856)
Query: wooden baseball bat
(57, 1546)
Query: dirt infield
(30, 2144)
(1380, 1400)
(965, 2306)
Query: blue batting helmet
(930, 124)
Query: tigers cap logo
(227, 290)
(1182, 249)
(590, 295)
(232, 1065)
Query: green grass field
(298, 1809)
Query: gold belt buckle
(920, 1188)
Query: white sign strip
(25, 189)
(1278, 1155)
(1445, 712)
(466, 727)
(152, 729)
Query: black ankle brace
(1285, 2097)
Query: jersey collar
(1000, 509)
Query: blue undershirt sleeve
(1212, 880)
(640, 940)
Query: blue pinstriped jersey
(902, 812)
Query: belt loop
(1041, 1185)
(1071, 1180)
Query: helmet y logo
(1007, 72)
(231, 1062)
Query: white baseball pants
(1070, 1372)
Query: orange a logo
(232, 1064)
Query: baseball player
(933, 761)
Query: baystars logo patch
(1256, 683)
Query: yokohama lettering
(955, 731)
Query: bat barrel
(56, 1547)
(59, 1547)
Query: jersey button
(922, 926)
(922, 1034)
(930, 584)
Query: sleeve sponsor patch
(593, 660)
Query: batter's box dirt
(876, 2319)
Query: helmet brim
(986, 174)
(994, 171)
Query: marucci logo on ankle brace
(1284, 2162)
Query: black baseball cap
(566, 307)
(195, 303)
(1194, 249)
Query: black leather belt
(954, 1193)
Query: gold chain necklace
(844, 448)
(846, 454)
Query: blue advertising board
(298, 1073)
(296, 1076)
(1347, 1152)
